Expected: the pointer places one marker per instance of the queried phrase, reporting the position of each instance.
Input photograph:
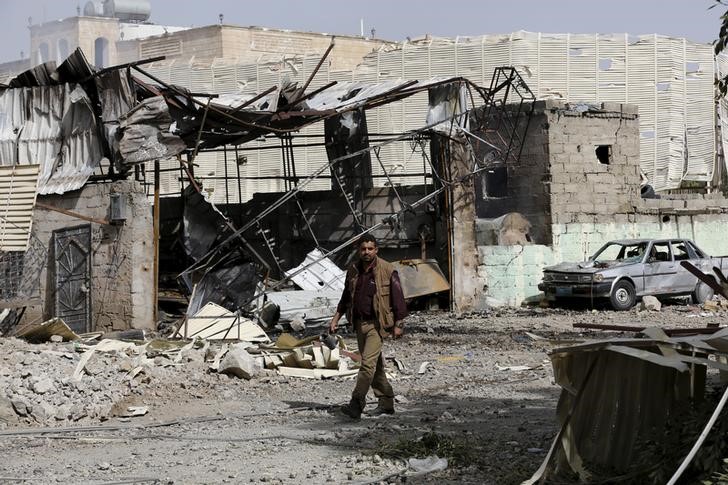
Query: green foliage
(720, 43)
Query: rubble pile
(42, 383)
(56, 382)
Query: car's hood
(586, 267)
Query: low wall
(512, 273)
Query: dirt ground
(494, 424)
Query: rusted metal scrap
(669, 331)
(720, 288)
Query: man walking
(374, 304)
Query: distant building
(111, 35)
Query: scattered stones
(42, 386)
(42, 411)
(21, 406)
(650, 303)
(8, 414)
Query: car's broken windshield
(619, 252)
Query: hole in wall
(604, 154)
(665, 218)
(691, 67)
(605, 64)
(662, 86)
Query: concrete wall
(466, 285)
(122, 255)
(589, 202)
(246, 44)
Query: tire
(702, 293)
(623, 296)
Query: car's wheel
(623, 296)
(702, 293)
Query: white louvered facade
(670, 79)
(18, 187)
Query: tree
(721, 42)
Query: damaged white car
(625, 270)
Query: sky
(398, 19)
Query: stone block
(239, 363)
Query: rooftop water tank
(124, 10)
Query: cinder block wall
(527, 180)
(590, 203)
(122, 279)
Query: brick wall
(580, 185)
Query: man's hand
(398, 330)
(334, 323)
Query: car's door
(685, 280)
(660, 270)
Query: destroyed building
(249, 166)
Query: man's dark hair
(365, 238)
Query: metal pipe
(155, 291)
(201, 104)
(254, 99)
(318, 66)
(631, 328)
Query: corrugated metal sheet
(722, 65)
(18, 186)
(60, 136)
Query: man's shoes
(351, 410)
(380, 411)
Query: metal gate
(73, 276)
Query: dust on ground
(493, 422)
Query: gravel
(497, 424)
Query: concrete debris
(21, 406)
(239, 363)
(41, 386)
(423, 367)
(133, 411)
(298, 323)
(650, 303)
(516, 368)
(427, 465)
(7, 412)
(715, 305)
